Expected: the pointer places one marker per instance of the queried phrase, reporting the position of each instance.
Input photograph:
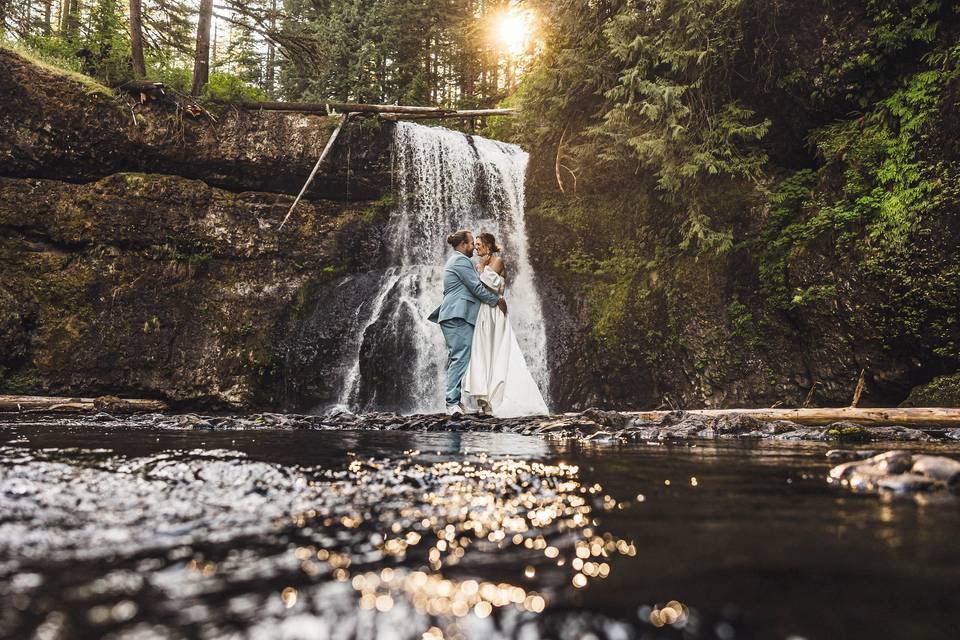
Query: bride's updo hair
(490, 242)
(458, 238)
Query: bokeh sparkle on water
(144, 532)
(405, 533)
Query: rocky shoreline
(592, 425)
(862, 469)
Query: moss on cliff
(943, 391)
(155, 285)
(842, 241)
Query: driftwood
(36, 404)
(859, 390)
(908, 417)
(316, 167)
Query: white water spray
(444, 181)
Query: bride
(497, 377)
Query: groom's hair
(458, 238)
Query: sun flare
(513, 31)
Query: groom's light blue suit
(463, 293)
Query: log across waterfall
(444, 180)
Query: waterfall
(444, 180)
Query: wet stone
(595, 424)
(897, 472)
(850, 454)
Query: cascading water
(444, 181)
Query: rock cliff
(139, 249)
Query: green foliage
(742, 323)
(676, 103)
(177, 77)
(19, 383)
(380, 209)
(185, 250)
(643, 87)
(53, 51)
(669, 110)
(54, 54)
(393, 51)
(943, 391)
(854, 68)
(231, 88)
(887, 185)
(106, 44)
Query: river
(138, 531)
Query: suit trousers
(458, 334)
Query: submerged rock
(937, 467)
(897, 472)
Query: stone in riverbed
(849, 454)
(897, 472)
(906, 483)
(938, 467)
(892, 461)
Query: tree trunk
(136, 39)
(47, 14)
(269, 78)
(201, 62)
(213, 44)
(70, 19)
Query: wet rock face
(943, 391)
(54, 126)
(174, 283)
(174, 289)
(898, 472)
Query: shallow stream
(147, 532)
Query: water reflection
(172, 533)
(426, 538)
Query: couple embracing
(484, 361)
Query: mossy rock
(939, 392)
(847, 431)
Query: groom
(463, 292)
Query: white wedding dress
(497, 375)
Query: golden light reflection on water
(428, 516)
(674, 613)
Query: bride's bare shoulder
(497, 264)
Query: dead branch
(316, 167)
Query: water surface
(143, 532)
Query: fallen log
(156, 90)
(466, 113)
(326, 107)
(39, 404)
(415, 112)
(907, 416)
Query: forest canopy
(458, 53)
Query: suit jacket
(463, 292)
